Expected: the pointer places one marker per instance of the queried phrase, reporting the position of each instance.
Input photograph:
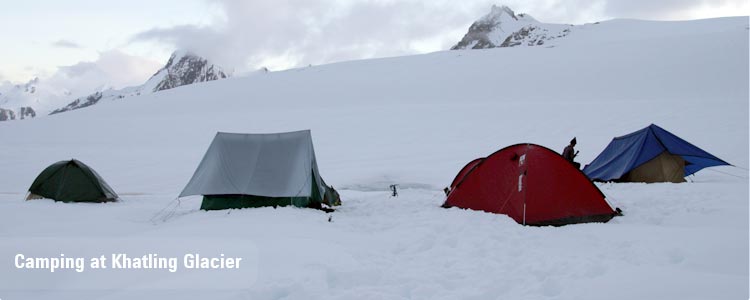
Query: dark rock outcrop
(7, 115)
(27, 112)
(80, 103)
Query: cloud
(580, 11)
(112, 68)
(665, 9)
(288, 33)
(300, 32)
(66, 44)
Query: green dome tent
(71, 181)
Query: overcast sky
(121, 43)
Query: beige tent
(665, 167)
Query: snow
(413, 121)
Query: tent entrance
(216, 202)
(665, 167)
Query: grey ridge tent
(253, 170)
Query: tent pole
(524, 202)
(522, 164)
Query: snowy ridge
(96, 97)
(183, 68)
(503, 28)
(532, 35)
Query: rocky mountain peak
(502, 27)
(184, 68)
(499, 12)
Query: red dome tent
(532, 184)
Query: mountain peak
(502, 27)
(183, 68)
(491, 29)
(498, 12)
(178, 55)
(504, 14)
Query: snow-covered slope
(502, 27)
(413, 121)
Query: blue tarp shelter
(652, 152)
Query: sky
(90, 44)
